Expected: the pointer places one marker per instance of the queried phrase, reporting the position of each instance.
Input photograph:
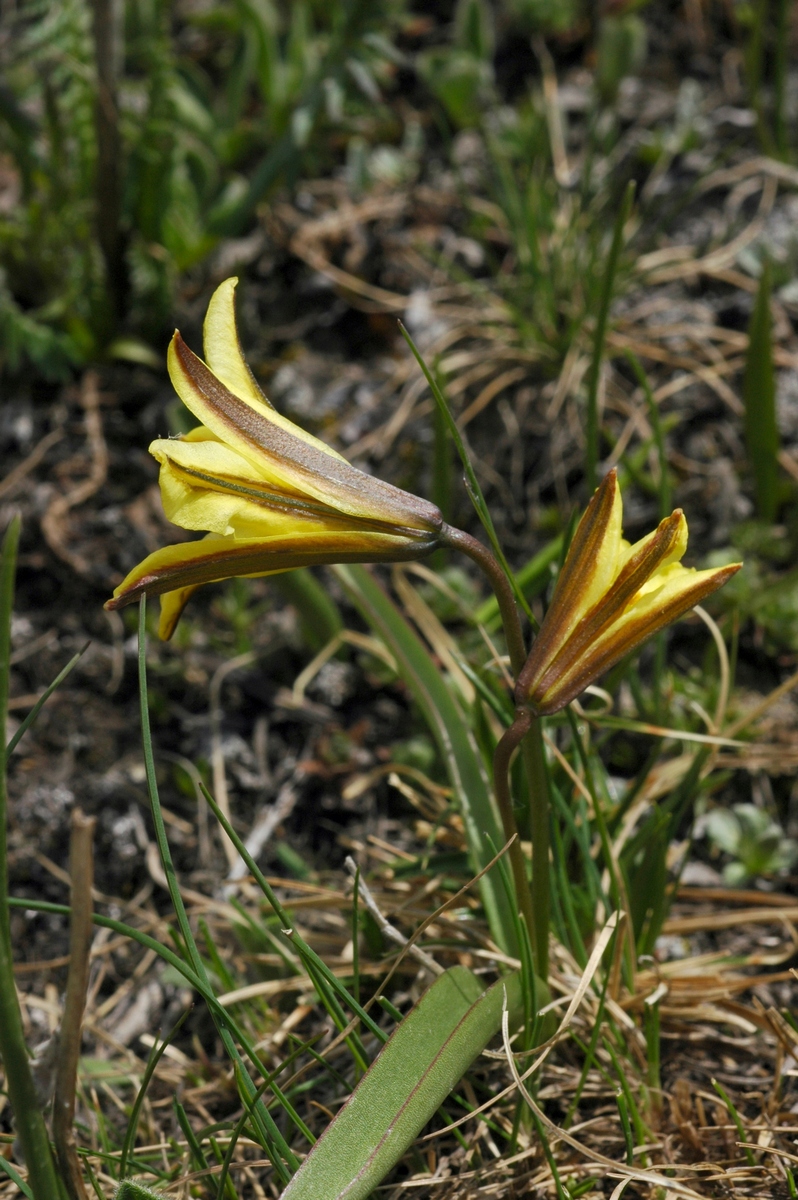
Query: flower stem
(534, 906)
(508, 744)
(535, 767)
(16, 1064)
(502, 588)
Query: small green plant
(460, 75)
(755, 842)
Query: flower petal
(680, 590)
(291, 463)
(644, 562)
(223, 352)
(172, 605)
(225, 358)
(589, 568)
(206, 485)
(217, 557)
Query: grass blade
(470, 478)
(156, 1054)
(14, 1174)
(275, 1145)
(759, 398)
(416, 1070)
(40, 703)
(458, 749)
(594, 371)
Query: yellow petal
(646, 559)
(225, 358)
(216, 557)
(172, 605)
(225, 512)
(206, 485)
(679, 590)
(590, 567)
(676, 553)
(223, 352)
(291, 463)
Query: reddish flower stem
(525, 731)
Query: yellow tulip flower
(609, 598)
(269, 495)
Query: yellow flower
(270, 496)
(609, 598)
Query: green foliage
(132, 1189)
(460, 75)
(621, 51)
(545, 16)
(765, 25)
(761, 595)
(467, 772)
(607, 285)
(755, 842)
(194, 158)
(419, 1066)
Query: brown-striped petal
(289, 462)
(217, 557)
(680, 591)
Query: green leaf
(414, 1073)
(469, 474)
(759, 398)
(40, 703)
(455, 740)
(17, 1178)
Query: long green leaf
(414, 1073)
(469, 474)
(12, 1173)
(25, 725)
(455, 740)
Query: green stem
(534, 905)
(539, 805)
(508, 744)
(502, 589)
(18, 1078)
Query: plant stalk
(502, 588)
(19, 1084)
(540, 803)
(508, 744)
(526, 730)
(81, 869)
